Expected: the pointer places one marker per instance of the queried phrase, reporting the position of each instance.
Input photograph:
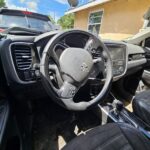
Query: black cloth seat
(110, 137)
(141, 106)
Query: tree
(2, 3)
(67, 21)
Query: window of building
(94, 23)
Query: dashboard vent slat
(22, 55)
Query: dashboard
(21, 56)
(26, 55)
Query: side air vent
(135, 57)
(22, 55)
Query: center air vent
(22, 55)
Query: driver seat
(113, 136)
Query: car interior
(75, 85)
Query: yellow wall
(124, 17)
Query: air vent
(22, 55)
(135, 57)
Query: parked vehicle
(61, 83)
(17, 18)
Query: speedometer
(116, 53)
(92, 48)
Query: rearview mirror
(73, 3)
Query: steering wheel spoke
(89, 45)
(97, 60)
(54, 68)
(67, 90)
(63, 45)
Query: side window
(94, 23)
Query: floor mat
(54, 126)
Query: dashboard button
(120, 62)
(26, 75)
(121, 69)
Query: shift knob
(119, 106)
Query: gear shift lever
(119, 106)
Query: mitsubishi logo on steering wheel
(84, 67)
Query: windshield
(7, 21)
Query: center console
(116, 112)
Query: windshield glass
(39, 24)
(7, 21)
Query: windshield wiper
(21, 31)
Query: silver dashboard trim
(134, 63)
(147, 72)
(115, 78)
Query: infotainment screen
(116, 53)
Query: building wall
(120, 16)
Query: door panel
(4, 113)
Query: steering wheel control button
(76, 63)
(72, 92)
(67, 90)
(37, 74)
(121, 69)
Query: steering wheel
(72, 70)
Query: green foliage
(67, 21)
(2, 3)
(52, 19)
